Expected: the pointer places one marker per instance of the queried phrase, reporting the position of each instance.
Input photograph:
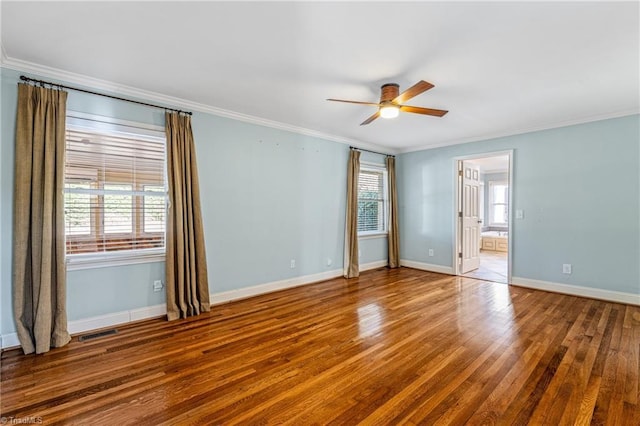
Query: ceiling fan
(391, 102)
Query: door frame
(457, 207)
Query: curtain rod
(62, 86)
(373, 152)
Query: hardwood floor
(391, 347)
(493, 267)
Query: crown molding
(63, 76)
(94, 83)
(538, 128)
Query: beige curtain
(351, 266)
(39, 274)
(393, 244)
(186, 263)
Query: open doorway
(483, 216)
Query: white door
(470, 244)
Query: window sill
(372, 235)
(103, 260)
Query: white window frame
(490, 221)
(378, 168)
(90, 122)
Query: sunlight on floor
(370, 320)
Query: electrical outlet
(293, 263)
(157, 286)
(566, 268)
(329, 262)
(430, 252)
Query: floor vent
(86, 337)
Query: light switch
(519, 214)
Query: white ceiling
(499, 68)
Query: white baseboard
(243, 293)
(154, 311)
(574, 290)
(373, 265)
(427, 267)
(10, 340)
(101, 321)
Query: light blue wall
(579, 187)
(268, 196)
(101, 291)
(7, 130)
(2, 227)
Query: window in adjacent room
(498, 203)
(372, 200)
(115, 192)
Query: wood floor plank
(390, 347)
(553, 404)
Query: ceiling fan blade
(415, 90)
(424, 111)
(370, 119)
(354, 102)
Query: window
(372, 200)
(115, 192)
(498, 203)
(154, 208)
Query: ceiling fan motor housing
(390, 91)
(392, 102)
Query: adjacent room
(320, 212)
(491, 194)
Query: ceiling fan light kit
(389, 111)
(391, 101)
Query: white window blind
(371, 201)
(115, 191)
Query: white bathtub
(496, 234)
